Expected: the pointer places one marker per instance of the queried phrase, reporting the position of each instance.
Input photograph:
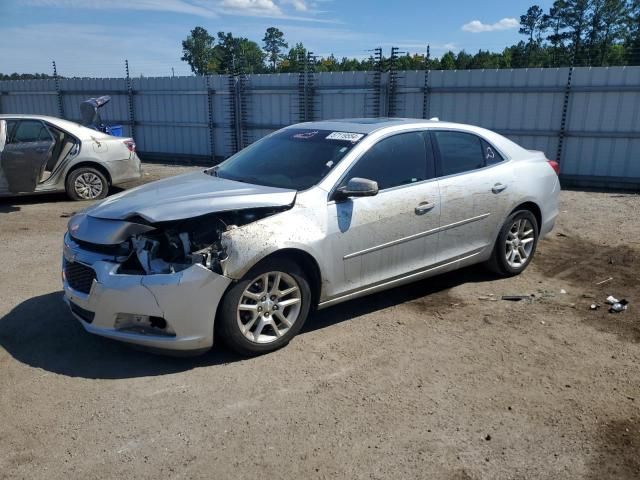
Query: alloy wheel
(88, 186)
(519, 243)
(269, 307)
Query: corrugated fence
(587, 118)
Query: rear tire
(86, 183)
(266, 309)
(516, 244)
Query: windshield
(294, 158)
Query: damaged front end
(153, 284)
(143, 248)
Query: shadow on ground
(617, 452)
(41, 332)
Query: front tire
(266, 309)
(516, 244)
(86, 183)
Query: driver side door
(376, 238)
(27, 149)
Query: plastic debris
(563, 291)
(595, 306)
(605, 281)
(617, 306)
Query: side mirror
(357, 187)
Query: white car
(309, 216)
(40, 154)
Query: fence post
(378, 68)
(58, 91)
(565, 115)
(210, 93)
(302, 88)
(425, 91)
(132, 116)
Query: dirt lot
(433, 380)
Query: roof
(71, 127)
(370, 125)
(362, 125)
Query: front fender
(247, 245)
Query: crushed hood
(189, 195)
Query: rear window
(293, 158)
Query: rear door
(27, 149)
(377, 238)
(474, 192)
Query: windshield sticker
(306, 135)
(349, 137)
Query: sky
(93, 37)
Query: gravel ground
(432, 380)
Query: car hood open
(189, 195)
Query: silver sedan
(40, 154)
(309, 216)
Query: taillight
(131, 145)
(555, 165)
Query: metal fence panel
(597, 135)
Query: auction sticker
(349, 137)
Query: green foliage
(197, 51)
(273, 44)
(571, 32)
(24, 76)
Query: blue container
(115, 130)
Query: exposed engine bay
(169, 247)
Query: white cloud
(174, 6)
(476, 26)
(299, 5)
(251, 7)
(201, 8)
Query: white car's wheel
(86, 183)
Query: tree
(273, 43)
(575, 15)
(533, 23)
(197, 51)
(557, 36)
(632, 35)
(293, 61)
(607, 26)
(448, 61)
(238, 54)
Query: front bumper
(186, 300)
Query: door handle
(424, 207)
(498, 187)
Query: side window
(459, 152)
(491, 156)
(30, 131)
(398, 160)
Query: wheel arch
(306, 261)
(533, 208)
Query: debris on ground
(617, 306)
(518, 298)
(563, 291)
(489, 297)
(605, 281)
(595, 306)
